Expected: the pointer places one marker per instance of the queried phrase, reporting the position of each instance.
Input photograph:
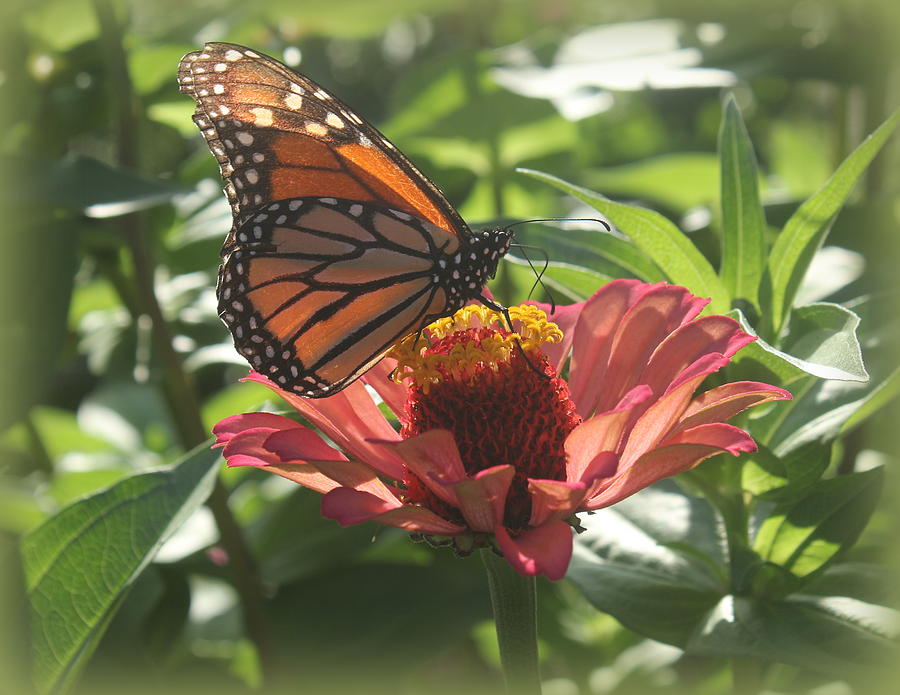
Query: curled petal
(225, 430)
(434, 457)
(543, 550)
(689, 342)
(248, 448)
(348, 474)
(678, 454)
(602, 433)
(482, 498)
(663, 415)
(724, 402)
(618, 330)
(553, 500)
(351, 420)
(301, 444)
(349, 507)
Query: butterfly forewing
(278, 135)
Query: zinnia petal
(687, 343)
(225, 430)
(543, 550)
(350, 419)
(434, 458)
(680, 453)
(349, 507)
(726, 401)
(482, 498)
(553, 500)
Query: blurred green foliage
(108, 193)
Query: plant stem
(178, 386)
(514, 600)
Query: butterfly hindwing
(278, 135)
(316, 290)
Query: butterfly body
(340, 246)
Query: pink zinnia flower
(496, 450)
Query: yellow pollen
(532, 330)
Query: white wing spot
(281, 219)
(219, 88)
(258, 157)
(224, 110)
(243, 137)
(232, 55)
(251, 54)
(262, 118)
(401, 215)
(293, 101)
(252, 176)
(314, 128)
(322, 94)
(333, 120)
(297, 88)
(364, 141)
(328, 201)
(294, 205)
(356, 209)
(220, 67)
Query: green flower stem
(514, 600)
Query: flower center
(498, 394)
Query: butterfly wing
(278, 135)
(340, 246)
(316, 290)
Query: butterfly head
(486, 248)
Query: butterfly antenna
(539, 274)
(563, 219)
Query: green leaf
(594, 249)
(79, 564)
(650, 178)
(782, 479)
(743, 219)
(630, 563)
(656, 236)
(822, 343)
(803, 536)
(807, 228)
(873, 401)
(834, 635)
(824, 335)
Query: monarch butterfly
(339, 246)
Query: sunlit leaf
(802, 536)
(743, 219)
(679, 181)
(661, 240)
(79, 564)
(833, 635)
(627, 563)
(807, 228)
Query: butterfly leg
(491, 304)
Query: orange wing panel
(292, 183)
(396, 183)
(304, 151)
